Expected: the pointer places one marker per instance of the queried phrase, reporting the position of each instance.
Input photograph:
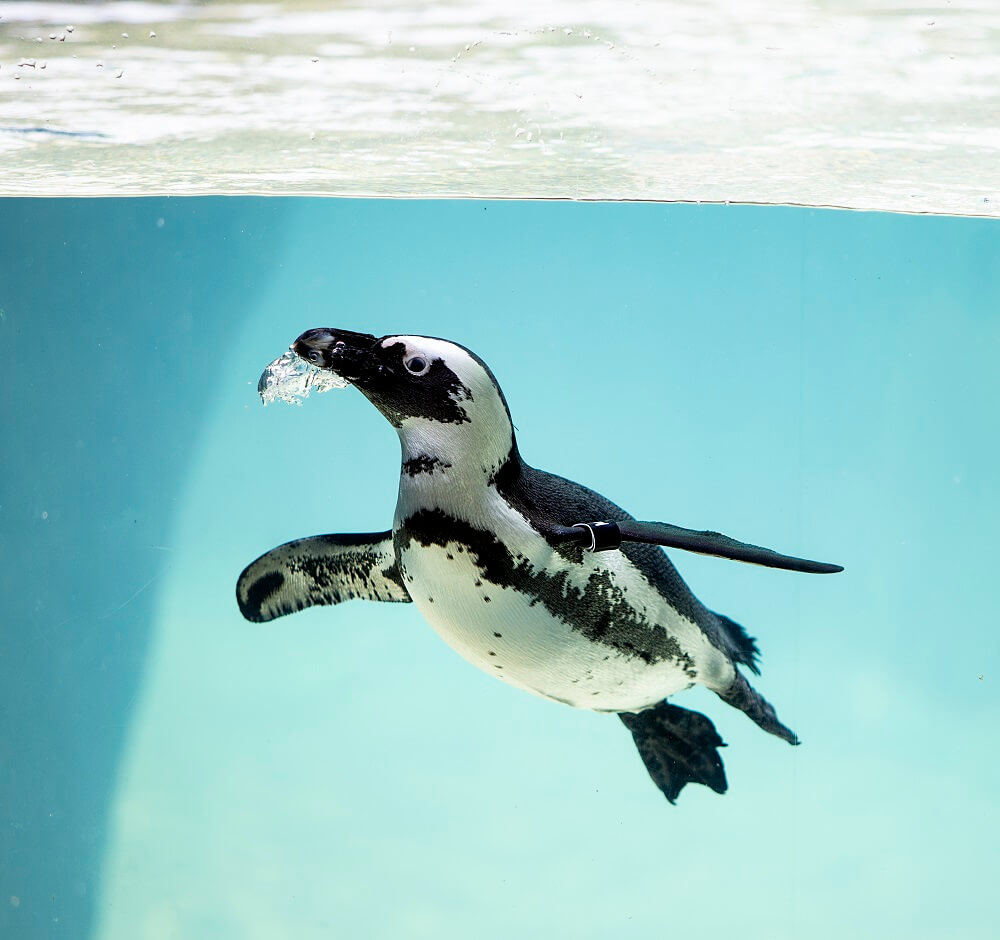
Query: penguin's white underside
(509, 633)
(608, 631)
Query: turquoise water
(820, 382)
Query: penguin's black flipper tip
(678, 747)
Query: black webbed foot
(678, 747)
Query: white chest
(502, 598)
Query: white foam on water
(873, 104)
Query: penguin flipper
(323, 569)
(722, 546)
(602, 536)
(678, 747)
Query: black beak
(350, 355)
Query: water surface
(882, 105)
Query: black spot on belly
(598, 611)
(498, 635)
(423, 464)
(601, 626)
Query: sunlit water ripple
(868, 106)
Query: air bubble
(291, 378)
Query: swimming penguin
(536, 580)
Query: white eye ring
(417, 364)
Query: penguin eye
(417, 365)
(313, 355)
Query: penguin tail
(748, 700)
(742, 646)
(678, 747)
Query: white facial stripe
(478, 446)
(454, 357)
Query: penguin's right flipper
(677, 746)
(323, 569)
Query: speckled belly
(517, 638)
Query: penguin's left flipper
(678, 747)
(323, 569)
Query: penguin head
(419, 383)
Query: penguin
(534, 579)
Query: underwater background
(820, 382)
